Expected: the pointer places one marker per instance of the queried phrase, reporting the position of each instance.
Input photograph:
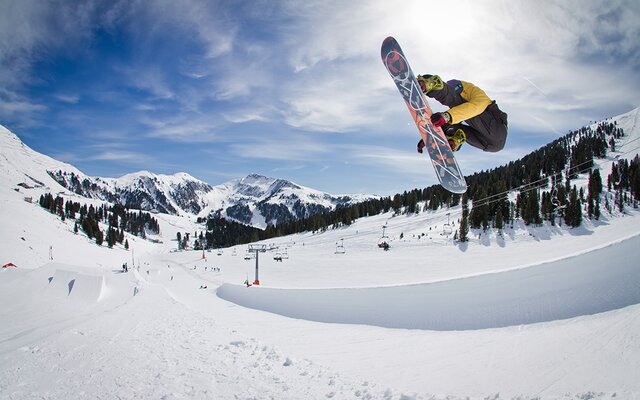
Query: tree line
(118, 218)
(536, 188)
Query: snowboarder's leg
(471, 135)
(490, 128)
(487, 131)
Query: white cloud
(119, 155)
(183, 128)
(280, 148)
(495, 44)
(314, 67)
(68, 98)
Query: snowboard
(437, 146)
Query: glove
(453, 145)
(440, 118)
(421, 146)
(422, 79)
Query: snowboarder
(485, 124)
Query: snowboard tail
(437, 146)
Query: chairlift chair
(340, 247)
(447, 230)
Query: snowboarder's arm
(477, 102)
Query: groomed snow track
(601, 280)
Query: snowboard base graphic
(437, 146)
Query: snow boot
(456, 139)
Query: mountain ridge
(255, 200)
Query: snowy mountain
(255, 200)
(258, 200)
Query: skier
(486, 125)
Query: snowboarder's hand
(421, 146)
(440, 118)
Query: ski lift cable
(528, 187)
(540, 183)
(629, 142)
(535, 184)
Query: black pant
(487, 131)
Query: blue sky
(296, 89)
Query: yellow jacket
(477, 102)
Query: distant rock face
(254, 200)
(260, 201)
(145, 192)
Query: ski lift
(617, 184)
(383, 242)
(340, 247)
(281, 255)
(249, 255)
(446, 228)
(554, 199)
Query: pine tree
(593, 198)
(498, 223)
(573, 215)
(464, 223)
(99, 237)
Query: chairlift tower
(257, 248)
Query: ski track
(149, 356)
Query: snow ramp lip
(77, 285)
(602, 280)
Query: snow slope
(591, 283)
(153, 333)
(255, 199)
(535, 313)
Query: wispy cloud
(301, 83)
(283, 148)
(68, 98)
(126, 156)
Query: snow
(535, 313)
(581, 285)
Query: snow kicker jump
(77, 286)
(442, 158)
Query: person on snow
(485, 125)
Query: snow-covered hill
(534, 312)
(254, 200)
(258, 200)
